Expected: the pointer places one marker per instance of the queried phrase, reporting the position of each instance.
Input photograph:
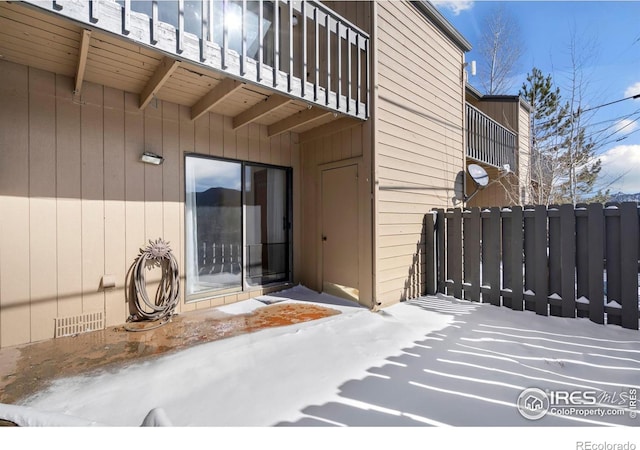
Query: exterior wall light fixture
(151, 158)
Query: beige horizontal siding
(419, 152)
(77, 204)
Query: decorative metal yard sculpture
(156, 254)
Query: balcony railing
(489, 142)
(299, 48)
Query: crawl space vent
(68, 326)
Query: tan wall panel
(115, 258)
(153, 205)
(230, 144)
(293, 149)
(216, 134)
(172, 189)
(42, 205)
(274, 148)
(201, 135)
(286, 147)
(92, 192)
(265, 143)
(242, 142)
(186, 146)
(253, 142)
(14, 206)
(69, 209)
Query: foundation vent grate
(68, 326)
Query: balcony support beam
(299, 119)
(162, 74)
(254, 113)
(221, 91)
(82, 60)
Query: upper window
(237, 225)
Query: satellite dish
(478, 174)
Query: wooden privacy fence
(562, 260)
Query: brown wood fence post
(568, 259)
(582, 259)
(454, 251)
(491, 256)
(555, 261)
(441, 250)
(472, 255)
(529, 253)
(430, 254)
(629, 264)
(596, 233)
(540, 260)
(612, 257)
(516, 247)
(507, 254)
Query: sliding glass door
(267, 224)
(237, 225)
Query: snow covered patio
(431, 361)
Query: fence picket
(596, 232)
(454, 251)
(430, 255)
(507, 254)
(582, 261)
(517, 237)
(472, 255)
(629, 265)
(568, 260)
(491, 257)
(529, 251)
(555, 261)
(540, 260)
(440, 251)
(612, 288)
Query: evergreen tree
(548, 122)
(563, 165)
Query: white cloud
(456, 6)
(632, 90)
(626, 126)
(621, 167)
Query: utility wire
(607, 104)
(580, 111)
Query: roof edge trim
(441, 22)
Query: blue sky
(613, 70)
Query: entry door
(340, 231)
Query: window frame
(245, 286)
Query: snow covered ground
(431, 361)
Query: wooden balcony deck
(301, 56)
(489, 142)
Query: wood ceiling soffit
(221, 91)
(260, 110)
(163, 72)
(296, 120)
(83, 52)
